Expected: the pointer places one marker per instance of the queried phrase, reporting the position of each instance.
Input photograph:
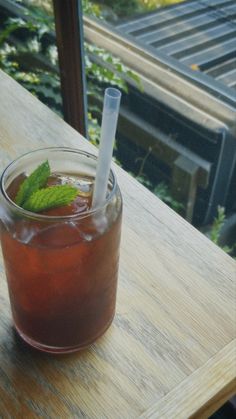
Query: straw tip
(111, 100)
(112, 93)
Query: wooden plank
(184, 184)
(190, 400)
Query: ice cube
(101, 222)
(83, 183)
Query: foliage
(124, 8)
(216, 230)
(113, 73)
(45, 82)
(42, 80)
(161, 189)
(153, 4)
(163, 192)
(121, 8)
(91, 9)
(45, 5)
(102, 68)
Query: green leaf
(217, 225)
(31, 184)
(51, 197)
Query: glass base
(60, 350)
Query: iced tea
(62, 265)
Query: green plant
(153, 4)
(103, 69)
(21, 59)
(91, 9)
(217, 225)
(216, 228)
(18, 59)
(124, 8)
(163, 192)
(114, 72)
(121, 7)
(161, 189)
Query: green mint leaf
(34, 182)
(51, 197)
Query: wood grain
(219, 369)
(171, 346)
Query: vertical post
(69, 33)
(184, 184)
(223, 175)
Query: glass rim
(42, 217)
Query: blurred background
(175, 62)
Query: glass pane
(28, 50)
(177, 125)
(32, 56)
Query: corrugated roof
(200, 35)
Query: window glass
(177, 123)
(28, 50)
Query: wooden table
(171, 350)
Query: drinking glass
(61, 269)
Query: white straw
(109, 122)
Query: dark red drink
(61, 268)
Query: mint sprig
(51, 197)
(35, 197)
(37, 180)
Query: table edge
(180, 403)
